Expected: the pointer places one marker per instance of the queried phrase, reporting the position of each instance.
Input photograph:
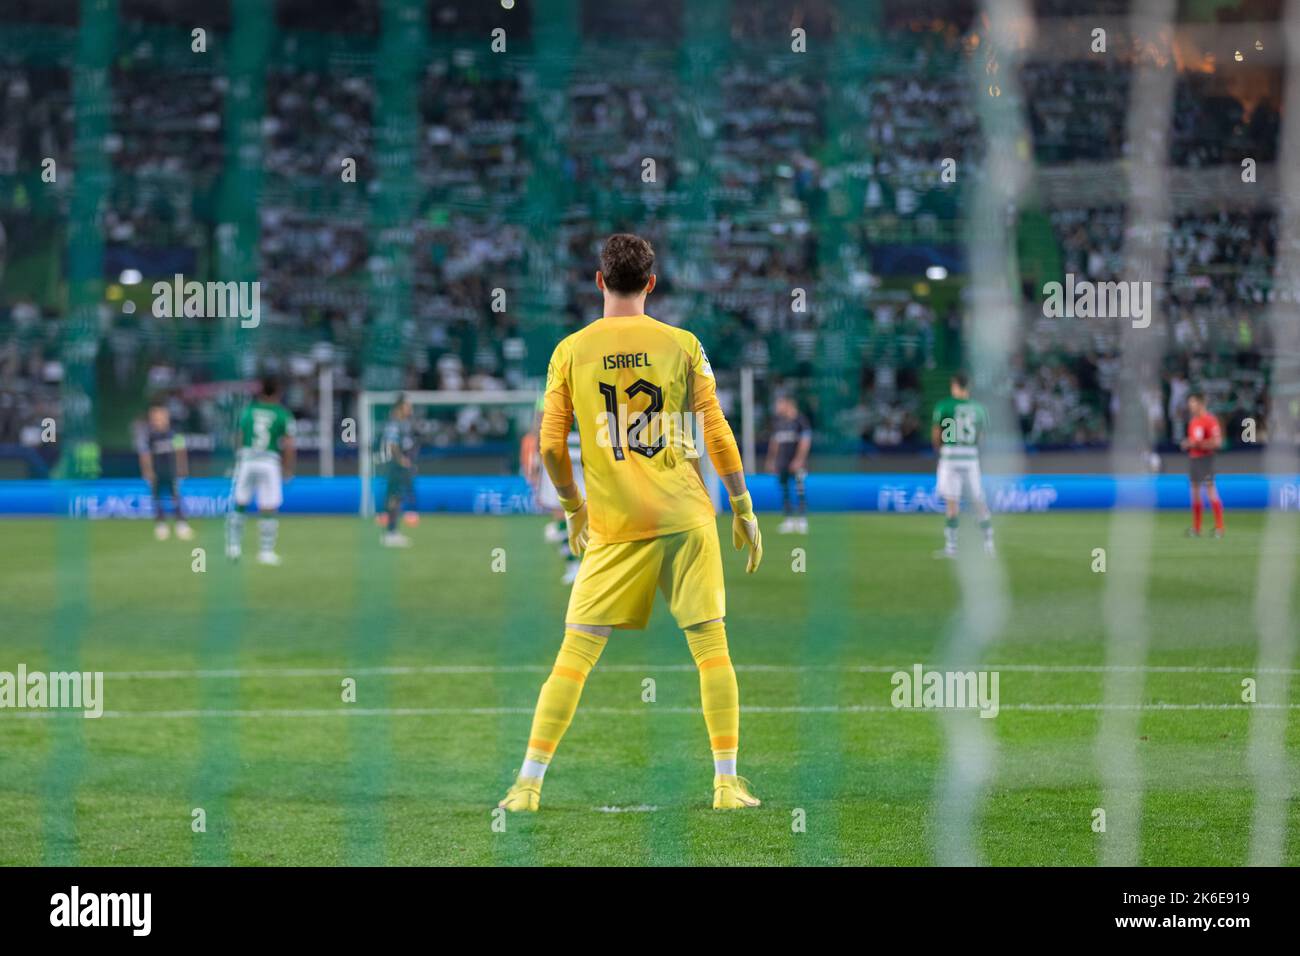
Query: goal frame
(367, 400)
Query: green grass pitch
(224, 693)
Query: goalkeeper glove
(744, 530)
(575, 516)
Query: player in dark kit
(399, 455)
(1204, 438)
(787, 457)
(163, 462)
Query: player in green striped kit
(957, 427)
(264, 462)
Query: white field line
(342, 711)
(269, 673)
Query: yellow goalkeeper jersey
(638, 388)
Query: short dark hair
(1198, 395)
(626, 262)
(270, 385)
(960, 379)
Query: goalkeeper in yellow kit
(648, 522)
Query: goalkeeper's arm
(553, 447)
(720, 442)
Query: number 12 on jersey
(639, 422)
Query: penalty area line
(311, 713)
(271, 673)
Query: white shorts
(260, 477)
(548, 499)
(960, 474)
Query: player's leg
(159, 512)
(691, 579)
(949, 488)
(572, 563)
(410, 513)
(241, 494)
(268, 530)
(787, 507)
(183, 529)
(394, 504)
(975, 488)
(615, 587)
(801, 498)
(1198, 509)
(951, 513)
(1216, 505)
(235, 530)
(398, 483)
(556, 531)
(720, 701)
(270, 495)
(556, 705)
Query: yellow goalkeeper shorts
(616, 582)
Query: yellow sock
(558, 700)
(719, 694)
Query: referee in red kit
(1204, 438)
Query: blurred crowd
(1215, 330)
(766, 185)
